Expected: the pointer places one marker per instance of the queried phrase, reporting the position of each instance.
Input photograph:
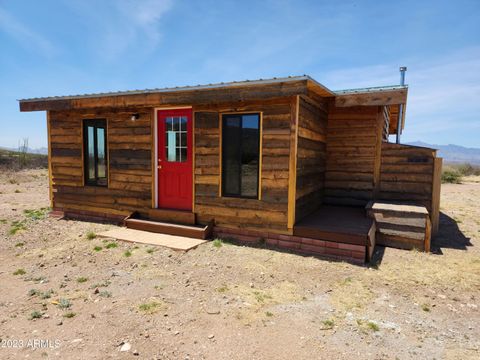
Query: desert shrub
(36, 214)
(23, 156)
(451, 177)
(64, 303)
(14, 160)
(217, 243)
(151, 307)
(35, 315)
(468, 169)
(19, 272)
(105, 294)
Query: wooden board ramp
(146, 237)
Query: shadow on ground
(449, 236)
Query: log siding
(271, 211)
(352, 152)
(311, 156)
(129, 162)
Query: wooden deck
(349, 225)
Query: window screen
(240, 155)
(95, 148)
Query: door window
(176, 138)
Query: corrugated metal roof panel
(179, 88)
(370, 89)
(222, 85)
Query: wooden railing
(411, 174)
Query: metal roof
(221, 85)
(183, 88)
(370, 89)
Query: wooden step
(172, 216)
(190, 231)
(403, 226)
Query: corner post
(292, 168)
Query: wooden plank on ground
(145, 237)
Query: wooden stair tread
(402, 226)
(382, 206)
(402, 233)
(191, 231)
(173, 216)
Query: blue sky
(74, 47)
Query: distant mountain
(41, 151)
(453, 153)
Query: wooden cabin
(284, 161)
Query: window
(176, 138)
(240, 155)
(95, 152)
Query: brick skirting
(318, 247)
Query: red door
(175, 159)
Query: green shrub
(111, 245)
(36, 214)
(328, 324)
(426, 307)
(19, 272)
(451, 177)
(33, 292)
(105, 294)
(35, 315)
(217, 243)
(47, 294)
(64, 303)
(91, 235)
(151, 307)
(17, 226)
(82, 279)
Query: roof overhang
(390, 96)
(376, 96)
(191, 95)
(236, 91)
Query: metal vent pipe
(401, 109)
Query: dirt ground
(67, 294)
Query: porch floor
(336, 223)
